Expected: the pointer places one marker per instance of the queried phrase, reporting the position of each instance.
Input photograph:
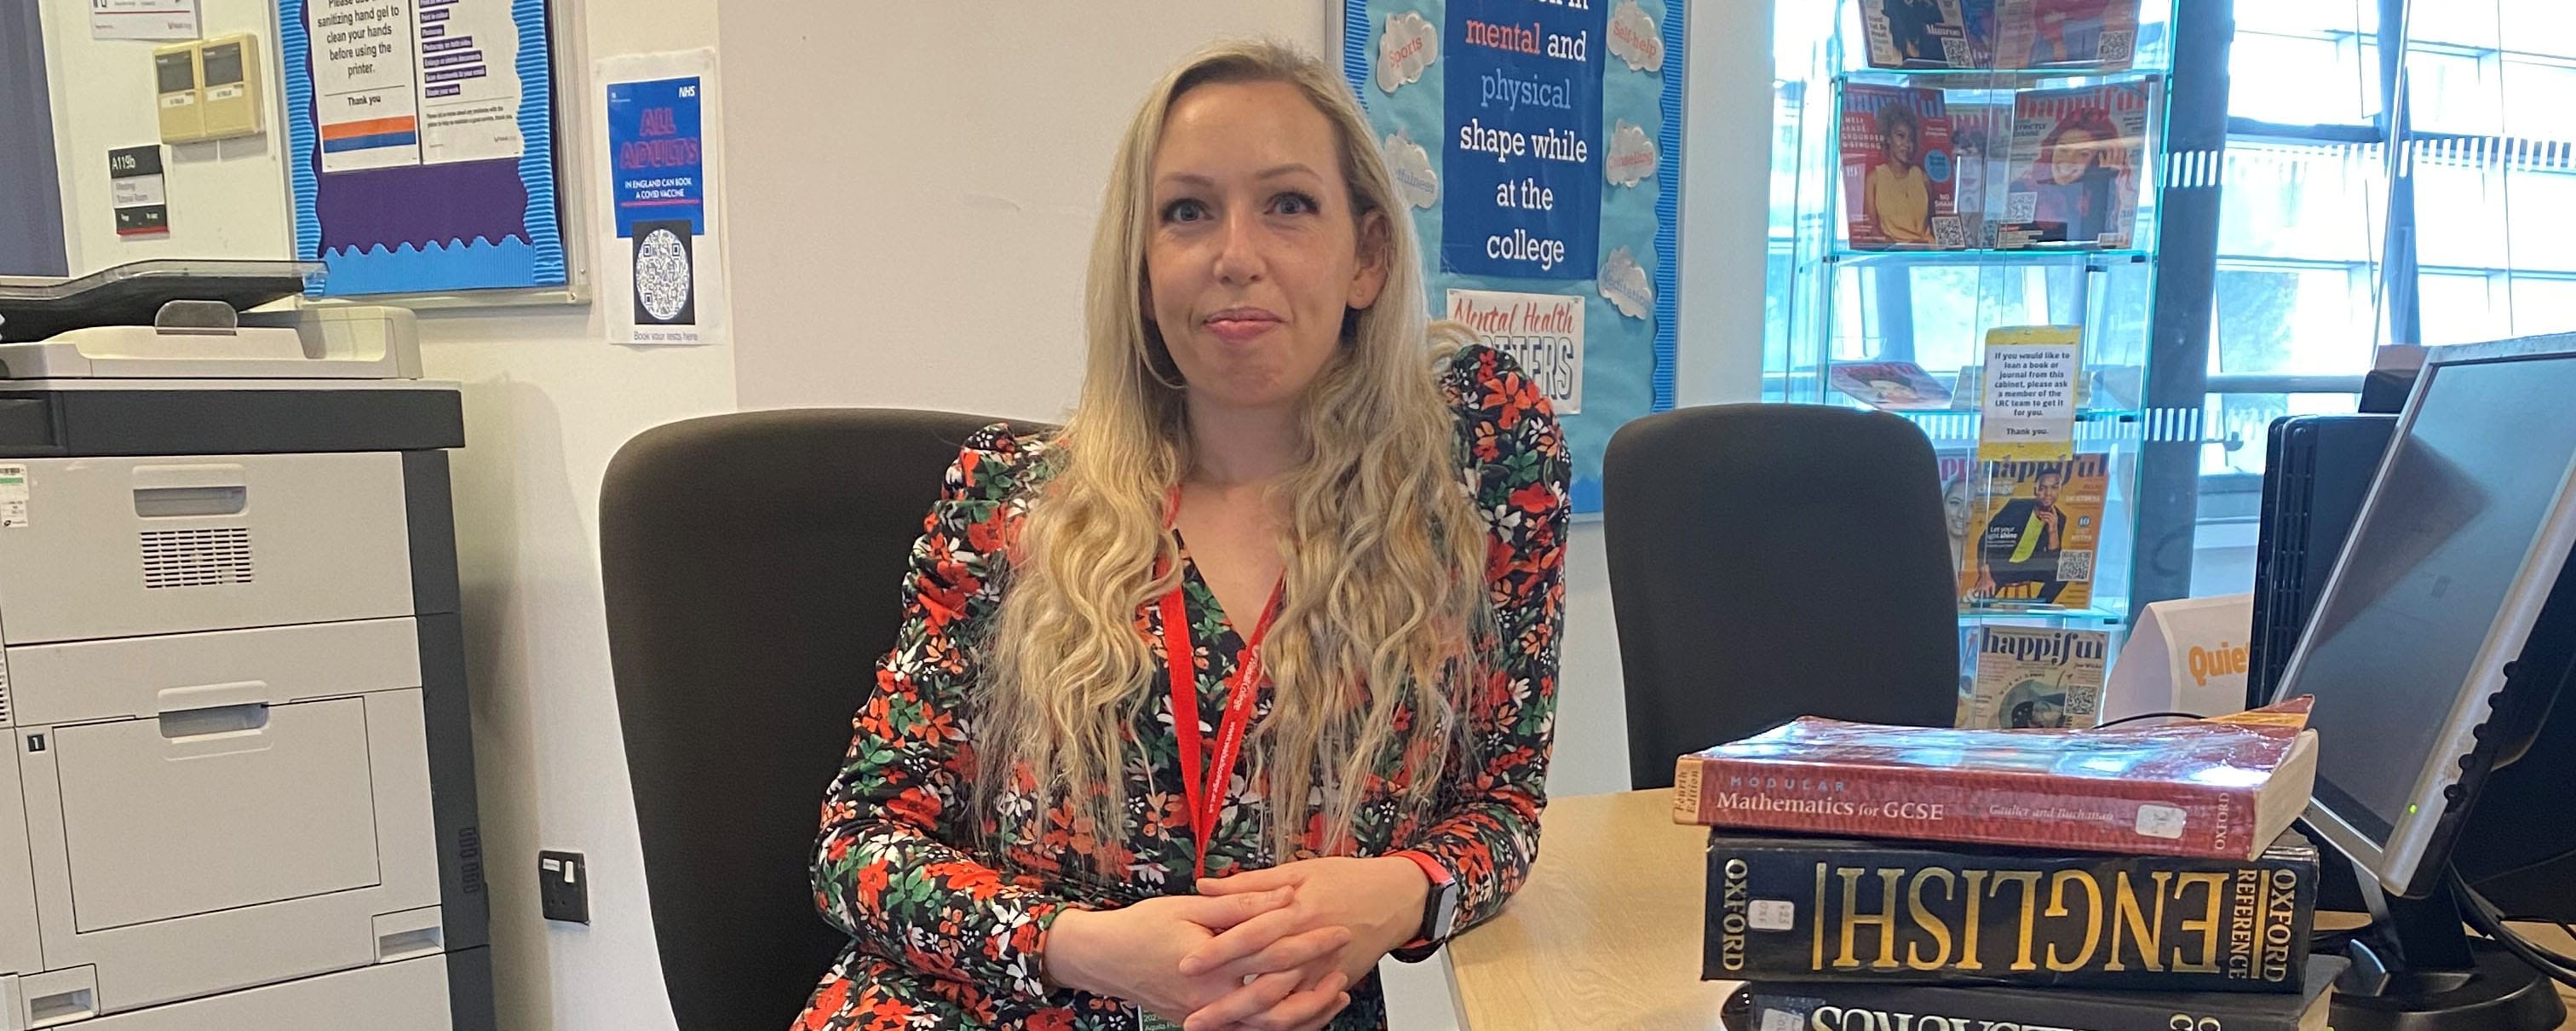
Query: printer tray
(132, 294)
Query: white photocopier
(238, 788)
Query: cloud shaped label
(1410, 165)
(1626, 285)
(1633, 37)
(1632, 155)
(1406, 49)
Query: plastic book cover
(2076, 166)
(2037, 677)
(2192, 788)
(1929, 33)
(2087, 35)
(2033, 532)
(1890, 386)
(1981, 150)
(1897, 169)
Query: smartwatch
(1439, 909)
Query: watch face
(1444, 911)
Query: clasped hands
(1266, 950)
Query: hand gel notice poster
(1536, 146)
(421, 144)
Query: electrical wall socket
(563, 886)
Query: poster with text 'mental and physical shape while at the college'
(1536, 145)
(1523, 153)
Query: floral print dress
(943, 939)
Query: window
(2432, 206)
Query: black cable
(2483, 915)
(2154, 716)
(2530, 866)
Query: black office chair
(1774, 561)
(752, 564)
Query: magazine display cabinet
(1986, 171)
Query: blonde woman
(1327, 535)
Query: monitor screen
(2436, 559)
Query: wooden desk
(1606, 934)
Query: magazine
(1897, 169)
(2073, 176)
(1890, 386)
(1929, 33)
(2032, 533)
(1960, 487)
(2037, 677)
(2091, 35)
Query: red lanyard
(1203, 784)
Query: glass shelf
(2112, 612)
(1995, 78)
(2095, 427)
(2091, 256)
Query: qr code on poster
(2021, 207)
(1949, 232)
(2075, 567)
(2117, 44)
(1954, 51)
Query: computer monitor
(2317, 471)
(2448, 574)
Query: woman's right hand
(1134, 954)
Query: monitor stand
(2418, 970)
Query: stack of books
(2133, 877)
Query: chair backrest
(752, 564)
(1774, 561)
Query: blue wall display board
(1538, 146)
(420, 139)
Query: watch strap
(1443, 893)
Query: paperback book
(2220, 788)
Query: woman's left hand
(1379, 900)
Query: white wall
(103, 99)
(930, 253)
(547, 403)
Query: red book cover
(2196, 788)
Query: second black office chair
(752, 563)
(1773, 561)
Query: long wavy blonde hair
(1384, 607)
